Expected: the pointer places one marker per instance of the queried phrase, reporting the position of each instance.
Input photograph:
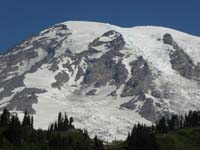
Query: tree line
(62, 135)
(192, 119)
(144, 138)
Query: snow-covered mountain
(106, 77)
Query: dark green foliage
(27, 120)
(62, 124)
(142, 138)
(192, 119)
(173, 123)
(167, 134)
(98, 145)
(176, 132)
(5, 118)
(14, 131)
(181, 139)
(162, 126)
(72, 140)
(61, 135)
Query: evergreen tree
(161, 126)
(142, 138)
(27, 120)
(5, 118)
(14, 131)
(71, 121)
(173, 123)
(98, 145)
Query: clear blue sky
(20, 19)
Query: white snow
(100, 114)
(84, 33)
(41, 79)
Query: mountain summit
(107, 77)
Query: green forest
(174, 133)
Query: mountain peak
(105, 76)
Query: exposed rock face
(9, 85)
(147, 110)
(28, 57)
(23, 100)
(105, 70)
(113, 41)
(141, 79)
(61, 78)
(91, 92)
(168, 39)
(180, 61)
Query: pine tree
(173, 122)
(71, 121)
(98, 145)
(27, 120)
(5, 118)
(14, 131)
(161, 126)
(142, 138)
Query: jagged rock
(104, 70)
(141, 79)
(91, 92)
(180, 61)
(168, 39)
(116, 41)
(113, 93)
(61, 78)
(54, 65)
(156, 94)
(24, 99)
(129, 105)
(79, 74)
(146, 110)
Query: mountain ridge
(107, 76)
